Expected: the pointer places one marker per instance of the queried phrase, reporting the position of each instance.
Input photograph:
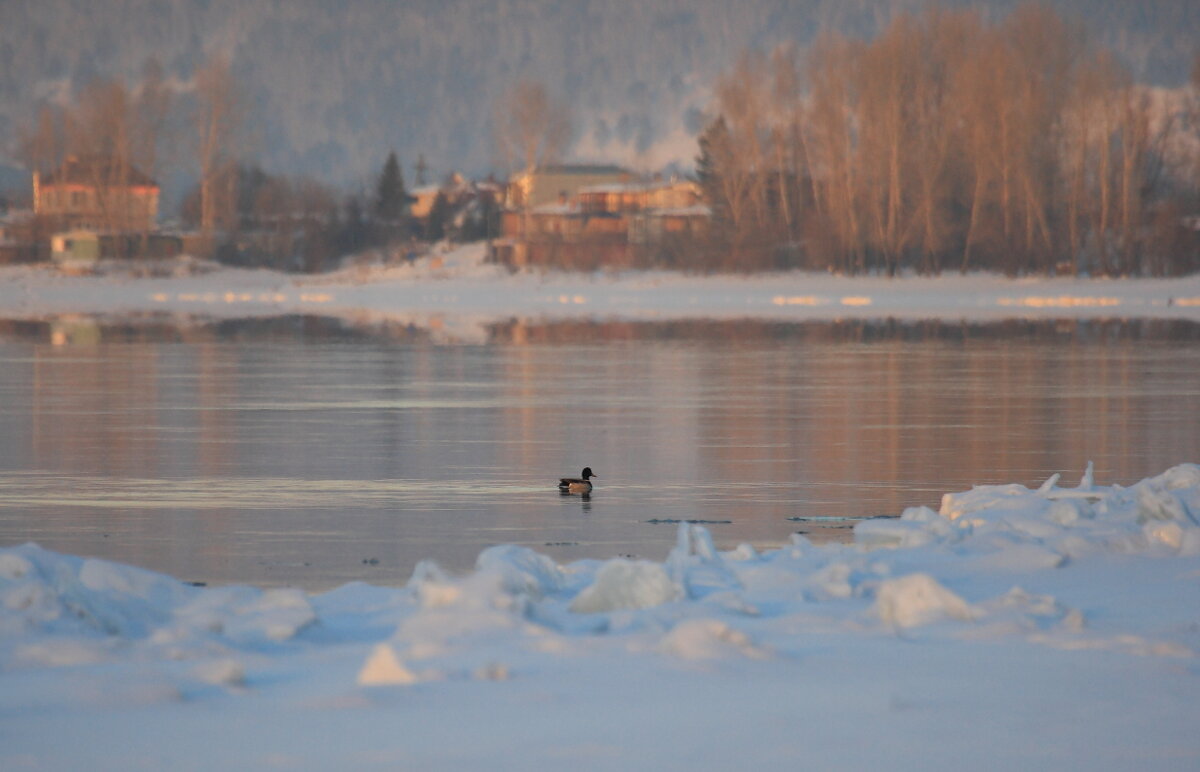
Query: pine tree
(391, 197)
(711, 163)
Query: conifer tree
(391, 196)
(713, 172)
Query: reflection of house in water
(598, 217)
(75, 331)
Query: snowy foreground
(1055, 628)
(455, 292)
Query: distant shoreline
(458, 283)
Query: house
(629, 197)
(96, 193)
(632, 211)
(607, 224)
(559, 182)
(655, 226)
(423, 198)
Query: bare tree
(530, 127)
(41, 145)
(151, 110)
(100, 142)
(151, 107)
(220, 108)
(1008, 144)
(833, 128)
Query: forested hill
(335, 85)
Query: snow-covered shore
(458, 284)
(1015, 628)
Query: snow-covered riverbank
(459, 284)
(1016, 628)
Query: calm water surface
(309, 453)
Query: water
(307, 452)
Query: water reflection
(82, 329)
(292, 450)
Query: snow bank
(1081, 574)
(454, 292)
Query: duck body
(580, 484)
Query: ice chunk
(384, 668)
(1183, 476)
(696, 639)
(62, 652)
(221, 672)
(1019, 558)
(248, 616)
(1051, 481)
(13, 566)
(1088, 481)
(1068, 512)
(834, 581)
(625, 584)
(890, 532)
(695, 565)
(979, 498)
(1159, 503)
(918, 599)
(744, 553)
(524, 571)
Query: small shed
(77, 248)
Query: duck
(580, 484)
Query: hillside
(335, 86)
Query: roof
(619, 187)
(582, 169)
(556, 208)
(89, 170)
(639, 186)
(695, 210)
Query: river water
(310, 452)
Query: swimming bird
(580, 484)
